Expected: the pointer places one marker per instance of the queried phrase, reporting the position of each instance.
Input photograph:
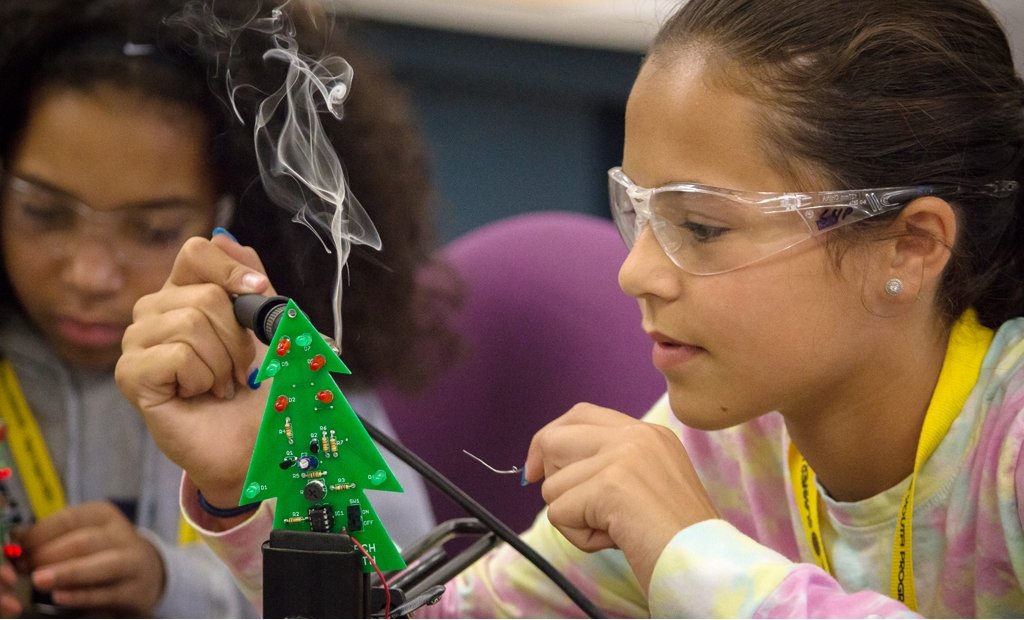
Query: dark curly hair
(877, 93)
(388, 318)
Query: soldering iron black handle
(260, 313)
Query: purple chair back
(546, 326)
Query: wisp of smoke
(298, 166)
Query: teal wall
(512, 125)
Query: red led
(317, 362)
(325, 396)
(283, 345)
(281, 403)
(5, 473)
(12, 551)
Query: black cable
(474, 508)
(261, 315)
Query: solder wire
(474, 508)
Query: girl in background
(116, 147)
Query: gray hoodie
(114, 458)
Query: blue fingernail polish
(223, 231)
(253, 383)
(522, 479)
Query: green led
(273, 366)
(252, 490)
(379, 476)
(303, 340)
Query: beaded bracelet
(224, 513)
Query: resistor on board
(345, 486)
(296, 519)
(288, 430)
(318, 473)
(323, 441)
(334, 444)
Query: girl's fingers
(555, 440)
(10, 606)
(219, 262)
(560, 446)
(201, 317)
(207, 348)
(572, 514)
(8, 576)
(241, 253)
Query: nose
(648, 271)
(93, 265)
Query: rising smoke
(298, 166)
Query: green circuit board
(312, 452)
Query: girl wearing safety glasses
(114, 151)
(827, 245)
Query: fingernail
(44, 578)
(253, 280)
(223, 231)
(251, 381)
(229, 391)
(522, 479)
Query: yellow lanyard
(968, 343)
(42, 485)
(32, 459)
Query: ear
(925, 232)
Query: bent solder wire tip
(514, 470)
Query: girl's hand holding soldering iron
(612, 481)
(186, 361)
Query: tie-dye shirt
(754, 561)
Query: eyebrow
(169, 202)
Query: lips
(669, 353)
(89, 333)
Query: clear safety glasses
(709, 230)
(140, 236)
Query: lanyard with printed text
(31, 457)
(968, 343)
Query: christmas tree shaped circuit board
(312, 452)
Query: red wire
(387, 590)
